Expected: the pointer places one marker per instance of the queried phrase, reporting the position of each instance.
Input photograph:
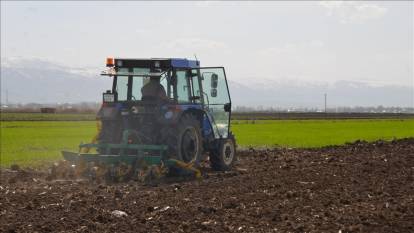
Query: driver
(153, 90)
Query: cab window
(183, 87)
(122, 85)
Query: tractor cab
(184, 86)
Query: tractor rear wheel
(224, 157)
(188, 140)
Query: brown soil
(360, 187)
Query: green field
(317, 133)
(8, 116)
(30, 143)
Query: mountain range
(40, 81)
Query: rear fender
(173, 113)
(204, 119)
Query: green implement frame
(143, 153)
(129, 154)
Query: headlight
(108, 97)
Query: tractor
(169, 113)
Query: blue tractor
(161, 111)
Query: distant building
(48, 110)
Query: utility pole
(325, 101)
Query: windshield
(135, 83)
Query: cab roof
(163, 63)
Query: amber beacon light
(110, 62)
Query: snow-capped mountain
(41, 81)
(311, 95)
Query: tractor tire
(223, 158)
(110, 133)
(187, 142)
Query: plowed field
(359, 187)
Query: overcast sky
(306, 41)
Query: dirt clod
(119, 213)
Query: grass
(7, 116)
(31, 143)
(317, 133)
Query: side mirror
(214, 80)
(213, 92)
(227, 107)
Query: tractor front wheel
(224, 157)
